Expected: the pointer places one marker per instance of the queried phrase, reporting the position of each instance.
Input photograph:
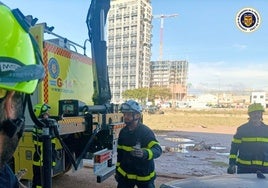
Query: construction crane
(162, 17)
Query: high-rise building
(129, 45)
(172, 75)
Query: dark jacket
(249, 148)
(7, 178)
(133, 168)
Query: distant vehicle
(153, 110)
(182, 104)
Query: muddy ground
(197, 150)
(185, 154)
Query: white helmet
(131, 106)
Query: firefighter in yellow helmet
(41, 110)
(20, 71)
(249, 147)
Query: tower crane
(162, 17)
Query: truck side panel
(69, 75)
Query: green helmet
(20, 60)
(40, 109)
(131, 106)
(255, 107)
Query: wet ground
(193, 153)
(179, 160)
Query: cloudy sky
(205, 34)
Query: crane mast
(162, 17)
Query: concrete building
(129, 45)
(170, 74)
(258, 97)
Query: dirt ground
(178, 161)
(196, 150)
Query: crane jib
(96, 20)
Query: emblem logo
(53, 68)
(248, 20)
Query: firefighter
(41, 111)
(20, 70)
(250, 144)
(137, 149)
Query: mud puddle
(186, 145)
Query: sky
(220, 56)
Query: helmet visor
(126, 108)
(13, 74)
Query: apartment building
(258, 97)
(170, 74)
(128, 45)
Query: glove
(139, 153)
(231, 169)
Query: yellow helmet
(20, 59)
(40, 109)
(255, 107)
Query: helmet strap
(133, 120)
(31, 112)
(13, 126)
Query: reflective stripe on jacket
(133, 168)
(250, 146)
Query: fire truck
(82, 123)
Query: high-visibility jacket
(38, 156)
(249, 147)
(133, 168)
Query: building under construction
(172, 75)
(129, 52)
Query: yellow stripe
(37, 130)
(232, 157)
(53, 140)
(253, 162)
(136, 177)
(255, 139)
(126, 148)
(150, 156)
(152, 143)
(38, 143)
(237, 141)
(121, 171)
(37, 163)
